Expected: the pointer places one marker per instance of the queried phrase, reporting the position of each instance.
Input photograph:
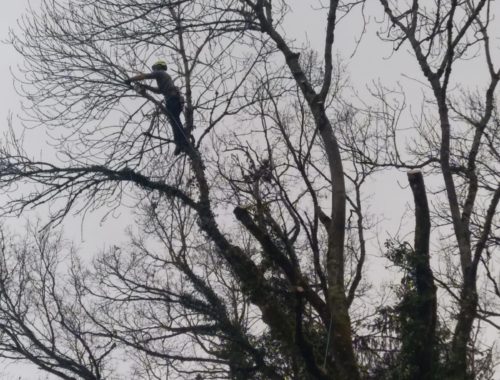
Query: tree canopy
(249, 253)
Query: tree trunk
(422, 360)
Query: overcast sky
(370, 63)
(305, 29)
(92, 235)
(11, 10)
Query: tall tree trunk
(422, 360)
(340, 333)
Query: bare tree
(250, 254)
(41, 316)
(440, 35)
(206, 40)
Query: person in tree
(174, 101)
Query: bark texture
(423, 358)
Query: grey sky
(370, 63)
(10, 12)
(92, 235)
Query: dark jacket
(166, 85)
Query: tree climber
(174, 101)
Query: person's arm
(142, 77)
(150, 88)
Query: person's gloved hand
(140, 89)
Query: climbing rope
(328, 341)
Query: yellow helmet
(159, 65)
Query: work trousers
(174, 108)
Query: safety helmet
(159, 65)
